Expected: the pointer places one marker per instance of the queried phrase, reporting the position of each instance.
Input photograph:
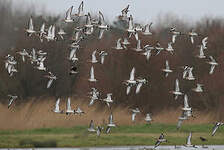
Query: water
(210, 147)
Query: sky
(142, 10)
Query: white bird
(131, 30)
(57, 107)
(92, 77)
(188, 143)
(131, 81)
(42, 32)
(192, 34)
(91, 127)
(68, 108)
(186, 68)
(176, 91)
(118, 45)
(102, 56)
(146, 29)
(111, 122)
(140, 82)
(80, 10)
(88, 21)
(167, 70)
(93, 57)
(213, 63)
(138, 47)
(99, 130)
(30, 29)
(138, 27)
(72, 55)
(190, 74)
(124, 14)
(61, 33)
(160, 140)
(198, 89)
(148, 118)
(94, 96)
(41, 66)
(125, 42)
(79, 111)
(89, 30)
(51, 33)
(68, 18)
(134, 112)
(108, 99)
(108, 130)
(174, 34)
(158, 48)
(170, 48)
(204, 42)
(147, 53)
(216, 126)
(186, 105)
(51, 78)
(201, 52)
(102, 25)
(181, 119)
(23, 53)
(12, 98)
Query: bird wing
(174, 38)
(72, 53)
(212, 59)
(69, 104)
(186, 101)
(177, 88)
(179, 123)
(102, 59)
(91, 125)
(167, 65)
(128, 90)
(139, 44)
(130, 23)
(68, 13)
(148, 54)
(201, 51)
(101, 18)
(31, 24)
(189, 139)
(157, 143)
(92, 73)
(119, 43)
(101, 33)
(204, 41)
(108, 129)
(212, 69)
(132, 74)
(133, 116)
(10, 102)
(49, 83)
(192, 39)
(215, 128)
(94, 56)
(138, 88)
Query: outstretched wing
(49, 83)
(132, 74)
(138, 88)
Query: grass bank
(122, 135)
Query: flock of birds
(38, 57)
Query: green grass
(121, 135)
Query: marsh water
(210, 147)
